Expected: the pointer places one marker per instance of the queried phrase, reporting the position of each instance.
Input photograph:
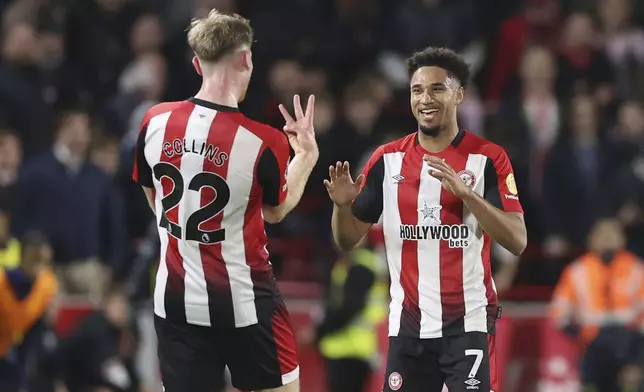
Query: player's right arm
(301, 137)
(283, 183)
(356, 205)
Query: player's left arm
(499, 211)
(142, 172)
(507, 269)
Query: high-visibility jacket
(592, 293)
(359, 339)
(18, 316)
(10, 256)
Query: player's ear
(460, 94)
(247, 59)
(197, 64)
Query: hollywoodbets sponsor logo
(457, 236)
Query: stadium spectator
(61, 87)
(628, 133)
(68, 198)
(25, 295)
(355, 303)
(576, 171)
(627, 196)
(141, 86)
(100, 353)
(97, 40)
(146, 35)
(361, 110)
(537, 25)
(105, 154)
(602, 318)
(528, 123)
(534, 114)
(22, 88)
(582, 68)
(284, 80)
(628, 199)
(623, 42)
(141, 83)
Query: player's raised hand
(300, 131)
(450, 180)
(341, 187)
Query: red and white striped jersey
(211, 169)
(438, 255)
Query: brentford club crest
(395, 381)
(468, 178)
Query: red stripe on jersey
(285, 343)
(175, 129)
(221, 134)
(407, 207)
(451, 259)
(254, 229)
(255, 240)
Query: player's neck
(220, 90)
(439, 142)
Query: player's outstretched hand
(450, 180)
(341, 187)
(300, 130)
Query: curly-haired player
(443, 195)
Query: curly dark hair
(444, 58)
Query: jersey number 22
(210, 210)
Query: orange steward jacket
(18, 316)
(592, 294)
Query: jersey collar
(212, 105)
(455, 142)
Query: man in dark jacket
(100, 353)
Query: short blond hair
(218, 34)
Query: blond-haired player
(212, 177)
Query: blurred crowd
(559, 84)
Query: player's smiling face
(434, 96)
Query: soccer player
(443, 194)
(212, 177)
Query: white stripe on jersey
(393, 243)
(153, 145)
(474, 291)
(243, 155)
(429, 269)
(196, 289)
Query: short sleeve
(500, 185)
(142, 173)
(367, 206)
(272, 170)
